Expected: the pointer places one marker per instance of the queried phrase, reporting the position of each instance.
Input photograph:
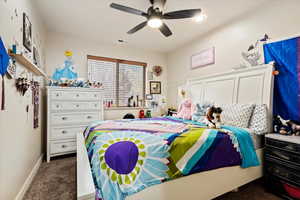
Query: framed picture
(36, 56)
(27, 32)
(149, 97)
(155, 87)
(203, 58)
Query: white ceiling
(95, 20)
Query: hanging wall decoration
(27, 32)
(22, 84)
(157, 70)
(12, 69)
(35, 87)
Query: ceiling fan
(155, 16)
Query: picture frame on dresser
(69, 111)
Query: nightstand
(282, 165)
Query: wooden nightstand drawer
(291, 147)
(275, 153)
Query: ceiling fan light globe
(200, 18)
(154, 22)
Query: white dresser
(69, 111)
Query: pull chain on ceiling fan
(155, 16)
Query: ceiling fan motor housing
(158, 4)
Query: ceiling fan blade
(164, 29)
(182, 14)
(128, 9)
(137, 28)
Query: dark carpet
(57, 181)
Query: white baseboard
(29, 179)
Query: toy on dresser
(213, 117)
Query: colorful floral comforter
(127, 156)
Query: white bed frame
(251, 85)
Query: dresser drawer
(74, 95)
(68, 132)
(283, 145)
(274, 153)
(75, 106)
(68, 118)
(282, 170)
(62, 147)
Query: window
(121, 79)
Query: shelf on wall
(29, 65)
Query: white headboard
(250, 85)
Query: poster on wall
(203, 58)
(27, 32)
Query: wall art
(203, 58)
(155, 87)
(27, 32)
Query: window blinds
(104, 72)
(131, 83)
(121, 79)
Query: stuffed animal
(200, 111)
(213, 117)
(185, 110)
(282, 126)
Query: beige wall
(20, 144)
(57, 43)
(279, 20)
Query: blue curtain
(286, 85)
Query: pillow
(200, 111)
(237, 114)
(258, 121)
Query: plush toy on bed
(213, 117)
(201, 109)
(185, 110)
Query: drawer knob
(77, 105)
(77, 95)
(89, 117)
(57, 106)
(64, 132)
(57, 95)
(64, 146)
(64, 118)
(95, 95)
(95, 105)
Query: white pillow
(237, 114)
(259, 120)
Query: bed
(252, 85)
